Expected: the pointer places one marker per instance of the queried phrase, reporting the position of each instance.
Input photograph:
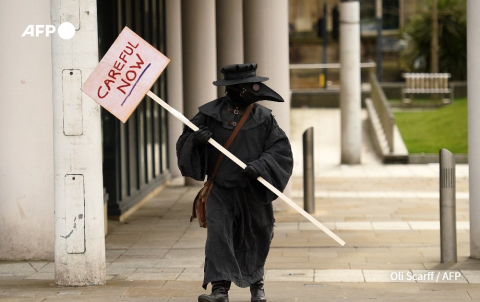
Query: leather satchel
(199, 209)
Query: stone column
(229, 36)
(265, 27)
(379, 16)
(199, 56)
(173, 20)
(79, 211)
(473, 76)
(350, 93)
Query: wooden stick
(243, 165)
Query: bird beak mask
(254, 92)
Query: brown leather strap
(231, 138)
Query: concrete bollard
(448, 226)
(308, 172)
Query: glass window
(390, 15)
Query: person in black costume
(239, 209)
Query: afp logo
(66, 30)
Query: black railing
(380, 102)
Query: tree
(452, 39)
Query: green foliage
(429, 131)
(452, 33)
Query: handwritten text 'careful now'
(117, 77)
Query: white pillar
(350, 93)
(79, 222)
(401, 13)
(229, 36)
(265, 27)
(199, 56)
(473, 76)
(26, 134)
(173, 19)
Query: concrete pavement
(157, 255)
(388, 216)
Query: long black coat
(239, 211)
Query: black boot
(258, 292)
(219, 292)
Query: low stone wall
(319, 98)
(432, 158)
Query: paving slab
(332, 275)
(41, 276)
(357, 225)
(188, 262)
(471, 276)
(191, 274)
(305, 275)
(388, 215)
(16, 268)
(155, 274)
(390, 225)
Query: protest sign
(125, 74)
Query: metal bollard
(308, 172)
(448, 225)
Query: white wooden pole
(243, 165)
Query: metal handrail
(328, 65)
(387, 119)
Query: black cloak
(239, 211)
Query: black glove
(202, 135)
(251, 172)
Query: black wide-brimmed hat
(239, 73)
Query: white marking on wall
(74, 214)
(72, 102)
